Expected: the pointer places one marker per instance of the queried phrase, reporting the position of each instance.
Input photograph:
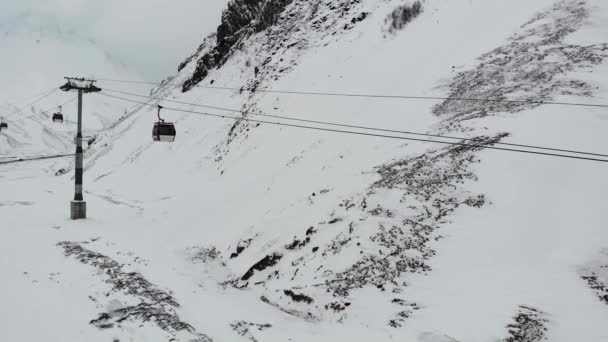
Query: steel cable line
(127, 81)
(49, 110)
(363, 133)
(384, 96)
(356, 126)
(26, 159)
(410, 97)
(33, 103)
(33, 96)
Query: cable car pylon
(78, 207)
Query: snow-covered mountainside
(34, 59)
(248, 229)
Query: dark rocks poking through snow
(240, 247)
(291, 311)
(298, 297)
(528, 70)
(596, 276)
(287, 27)
(155, 305)
(390, 242)
(432, 185)
(337, 306)
(267, 261)
(240, 20)
(204, 254)
(403, 15)
(245, 329)
(298, 244)
(596, 285)
(529, 326)
(205, 46)
(407, 311)
(302, 26)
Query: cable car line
(26, 159)
(382, 96)
(356, 126)
(49, 110)
(127, 81)
(364, 133)
(410, 97)
(33, 96)
(33, 103)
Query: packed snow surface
(249, 231)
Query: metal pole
(79, 206)
(78, 194)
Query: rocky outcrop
(240, 20)
(402, 15)
(150, 303)
(535, 65)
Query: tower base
(78, 210)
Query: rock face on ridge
(241, 19)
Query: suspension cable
(354, 126)
(363, 133)
(378, 96)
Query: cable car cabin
(3, 126)
(58, 117)
(163, 131)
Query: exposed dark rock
(379, 211)
(155, 305)
(529, 326)
(595, 284)
(596, 276)
(241, 246)
(61, 172)
(434, 180)
(403, 315)
(243, 328)
(360, 18)
(267, 261)
(527, 71)
(207, 44)
(337, 306)
(300, 298)
(240, 20)
(203, 254)
(296, 313)
(403, 15)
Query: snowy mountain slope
(33, 60)
(240, 231)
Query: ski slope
(245, 231)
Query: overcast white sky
(150, 36)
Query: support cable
(364, 133)
(354, 126)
